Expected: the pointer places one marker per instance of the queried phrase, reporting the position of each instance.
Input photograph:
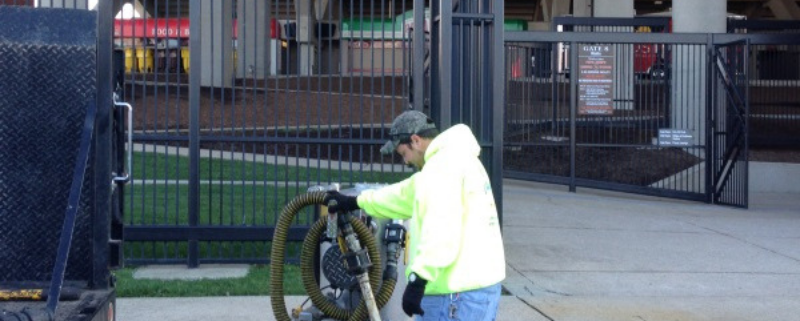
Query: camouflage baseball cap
(408, 123)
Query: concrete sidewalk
(254, 308)
(596, 255)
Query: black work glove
(412, 297)
(338, 202)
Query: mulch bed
(635, 166)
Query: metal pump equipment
(359, 262)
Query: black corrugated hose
(307, 260)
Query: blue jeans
(476, 305)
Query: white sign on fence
(675, 137)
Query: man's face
(413, 153)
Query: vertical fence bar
(573, 108)
(497, 98)
(194, 125)
(710, 149)
(746, 101)
(446, 62)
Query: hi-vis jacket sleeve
(394, 201)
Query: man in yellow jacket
(456, 259)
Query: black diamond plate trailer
(56, 165)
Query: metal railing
(774, 66)
(243, 105)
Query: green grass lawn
(247, 201)
(255, 283)
(156, 197)
(148, 165)
(234, 205)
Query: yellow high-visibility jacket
(454, 232)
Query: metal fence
(774, 67)
(242, 105)
(239, 113)
(594, 115)
(466, 76)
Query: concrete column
(707, 16)
(559, 8)
(256, 51)
(217, 42)
(554, 8)
(69, 4)
(306, 21)
(688, 72)
(623, 64)
(581, 8)
(613, 8)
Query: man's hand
(412, 297)
(338, 202)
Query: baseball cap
(408, 123)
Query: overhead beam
(545, 6)
(784, 9)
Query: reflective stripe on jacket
(454, 232)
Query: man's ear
(415, 140)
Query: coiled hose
(307, 260)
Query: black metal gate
(728, 122)
(676, 120)
(554, 133)
(774, 71)
(466, 78)
(242, 105)
(678, 133)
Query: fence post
(194, 127)
(710, 151)
(573, 107)
(418, 56)
(498, 89)
(446, 62)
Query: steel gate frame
(727, 120)
(475, 20)
(465, 74)
(196, 232)
(765, 107)
(572, 39)
(717, 183)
